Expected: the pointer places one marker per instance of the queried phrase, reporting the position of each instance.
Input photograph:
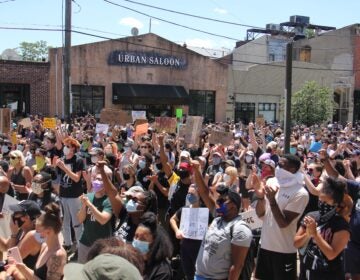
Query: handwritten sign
(114, 116)
(49, 123)
(260, 121)
(102, 128)
(182, 130)
(166, 124)
(194, 222)
(5, 120)
(252, 220)
(222, 137)
(141, 129)
(25, 123)
(136, 115)
(193, 129)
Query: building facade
(24, 86)
(143, 72)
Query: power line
(190, 15)
(173, 23)
(220, 60)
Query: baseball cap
(28, 207)
(270, 162)
(185, 166)
(185, 154)
(104, 266)
(133, 190)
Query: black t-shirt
(314, 259)
(54, 152)
(126, 230)
(141, 177)
(353, 188)
(159, 271)
(178, 199)
(163, 202)
(69, 188)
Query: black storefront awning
(149, 94)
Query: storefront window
(87, 99)
(268, 111)
(202, 103)
(16, 97)
(244, 112)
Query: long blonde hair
(18, 154)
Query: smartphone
(15, 254)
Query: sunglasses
(144, 147)
(13, 157)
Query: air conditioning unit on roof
(273, 26)
(300, 19)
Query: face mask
(20, 147)
(227, 178)
(192, 198)
(4, 149)
(222, 209)
(40, 162)
(326, 209)
(36, 188)
(141, 246)
(14, 162)
(292, 151)
(38, 238)
(97, 185)
(131, 206)
(94, 159)
(126, 176)
(142, 164)
(216, 160)
(230, 154)
(248, 159)
(66, 151)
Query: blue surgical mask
(142, 246)
(20, 147)
(292, 151)
(192, 198)
(142, 164)
(131, 206)
(222, 209)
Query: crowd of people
(111, 205)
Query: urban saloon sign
(145, 58)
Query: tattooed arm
(55, 266)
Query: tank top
(19, 179)
(41, 272)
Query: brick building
(24, 86)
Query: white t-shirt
(273, 238)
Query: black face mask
(230, 154)
(183, 174)
(123, 135)
(269, 150)
(126, 176)
(159, 166)
(168, 146)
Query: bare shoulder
(56, 265)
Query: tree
(312, 104)
(37, 51)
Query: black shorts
(352, 259)
(275, 266)
(244, 192)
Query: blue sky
(114, 22)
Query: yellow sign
(49, 123)
(13, 138)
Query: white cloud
(155, 22)
(220, 11)
(132, 22)
(197, 42)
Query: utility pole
(66, 60)
(288, 84)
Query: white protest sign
(194, 222)
(193, 129)
(5, 231)
(252, 220)
(102, 127)
(138, 115)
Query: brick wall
(36, 75)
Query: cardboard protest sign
(194, 222)
(222, 137)
(193, 129)
(182, 130)
(141, 129)
(252, 219)
(25, 123)
(260, 121)
(49, 123)
(5, 120)
(115, 116)
(136, 115)
(13, 138)
(166, 124)
(102, 128)
(5, 231)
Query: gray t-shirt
(214, 258)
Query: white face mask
(20, 147)
(4, 149)
(94, 159)
(248, 159)
(66, 151)
(227, 178)
(36, 188)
